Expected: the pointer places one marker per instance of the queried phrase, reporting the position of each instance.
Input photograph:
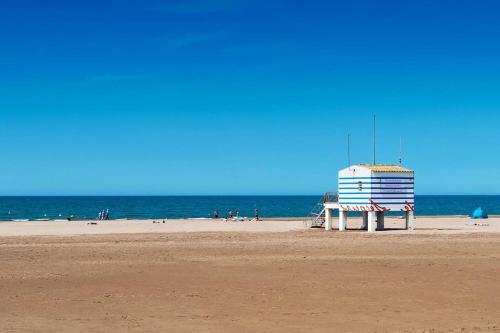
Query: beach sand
(272, 276)
(450, 224)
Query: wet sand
(305, 280)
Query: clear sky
(245, 97)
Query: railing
(331, 197)
(316, 217)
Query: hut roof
(385, 168)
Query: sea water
(150, 207)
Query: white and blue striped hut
(367, 187)
(374, 190)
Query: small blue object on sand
(479, 213)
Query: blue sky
(245, 97)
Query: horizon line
(209, 195)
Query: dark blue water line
(144, 207)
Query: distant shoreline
(426, 225)
(282, 218)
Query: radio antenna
(349, 149)
(400, 150)
(374, 141)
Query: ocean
(151, 207)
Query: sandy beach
(272, 276)
(453, 224)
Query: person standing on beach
(256, 211)
(230, 214)
(216, 214)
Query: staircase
(316, 218)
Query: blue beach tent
(479, 213)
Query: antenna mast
(374, 141)
(349, 149)
(400, 150)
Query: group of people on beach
(103, 215)
(234, 216)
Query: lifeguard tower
(372, 189)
